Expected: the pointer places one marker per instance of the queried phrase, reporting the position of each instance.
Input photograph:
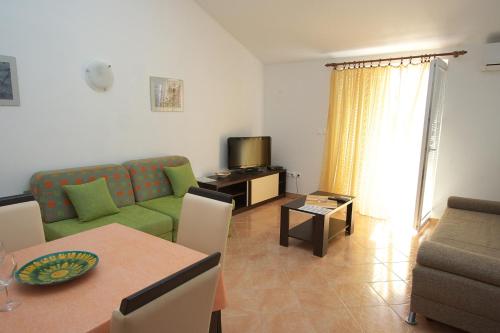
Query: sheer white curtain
(388, 170)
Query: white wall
(62, 123)
(296, 108)
(469, 161)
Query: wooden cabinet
(250, 189)
(264, 188)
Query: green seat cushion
(133, 216)
(181, 177)
(91, 200)
(169, 205)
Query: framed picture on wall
(166, 94)
(9, 90)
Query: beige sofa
(457, 276)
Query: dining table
(129, 260)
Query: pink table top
(129, 260)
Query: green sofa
(139, 188)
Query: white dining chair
(204, 221)
(181, 302)
(20, 224)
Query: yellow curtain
(373, 138)
(353, 93)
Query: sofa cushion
(46, 186)
(91, 200)
(148, 178)
(181, 178)
(169, 205)
(471, 231)
(477, 205)
(133, 216)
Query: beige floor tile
(275, 300)
(317, 299)
(402, 269)
(261, 261)
(285, 322)
(351, 257)
(237, 280)
(401, 310)
(269, 278)
(247, 323)
(234, 262)
(333, 320)
(389, 255)
(360, 273)
(379, 319)
(233, 246)
(306, 277)
(393, 292)
(358, 294)
(241, 303)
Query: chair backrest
(204, 221)
(181, 302)
(20, 223)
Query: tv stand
(248, 170)
(250, 189)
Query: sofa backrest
(148, 177)
(55, 205)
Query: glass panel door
(430, 141)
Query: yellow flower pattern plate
(57, 267)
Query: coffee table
(320, 228)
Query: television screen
(249, 152)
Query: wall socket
(293, 174)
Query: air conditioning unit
(492, 57)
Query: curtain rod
(423, 57)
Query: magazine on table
(319, 204)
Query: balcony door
(430, 141)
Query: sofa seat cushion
(169, 205)
(133, 216)
(470, 231)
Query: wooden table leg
(321, 226)
(216, 322)
(284, 226)
(349, 221)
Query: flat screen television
(248, 152)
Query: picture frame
(167, 95)
(9, 89)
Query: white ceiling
(294, 30)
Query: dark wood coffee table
(320, 228)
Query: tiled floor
(361, 285)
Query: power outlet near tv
(293, 174)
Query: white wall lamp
(99, 76)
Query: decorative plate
(57, 267)
(223, 173)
